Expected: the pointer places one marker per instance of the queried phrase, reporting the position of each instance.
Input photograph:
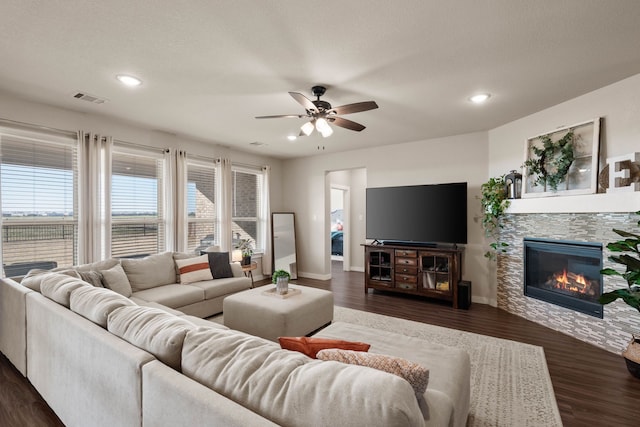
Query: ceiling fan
(322, 113)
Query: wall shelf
(586, 203)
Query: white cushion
(95, 304)
(58, 287)
(194, 269)
(289, 388)
(153, 330)
(116, 279)
(150, 272)
(33, 278)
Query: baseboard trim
(314, 276)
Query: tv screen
(434, 213)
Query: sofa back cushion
(289, 388)
(151, 329)
(150, 272)
(95, 304)
(58, 287)
(33, 278)
(98, 265)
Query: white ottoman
(271, 317)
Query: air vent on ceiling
(89, 98)
(257, 143)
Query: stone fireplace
(565, 273)
(611, 332)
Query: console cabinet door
(379, 267)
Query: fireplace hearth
(564, 273)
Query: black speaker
(464, 294)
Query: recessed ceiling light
(292, 137)
(128, 80)
(479, 98)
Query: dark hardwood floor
(592, 386)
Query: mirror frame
(293, 271)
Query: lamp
(323, 127)
(307, 128)
(236, 255)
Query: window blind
(246, 203)
(38, 193)
(137, 203)
(201, 205)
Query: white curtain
(224, 195)
(176, 208)
(265, 221)
(94, 196)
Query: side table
(248, 270)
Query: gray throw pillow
(116, 279)
(92, 277)
(219, 265)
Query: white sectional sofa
(99, 358)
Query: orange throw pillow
(311, 346)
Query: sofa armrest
(13, 323)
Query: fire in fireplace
(564, 273)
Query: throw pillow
(417, 375)
(219, 264)
(194, 269)
(116, 279)
(92, 277)
(311, 346)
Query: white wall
(461, 158)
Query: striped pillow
(194, 269)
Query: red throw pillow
(311, 346)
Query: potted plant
(629, 250)
(246, 246)
(281, 279)
(494, 204)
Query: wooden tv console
(428, 271)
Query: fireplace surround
(565, 273)
(612, 332)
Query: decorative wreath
(552, 162)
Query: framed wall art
(562, 162)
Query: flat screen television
(418, 214)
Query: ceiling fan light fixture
(307, 128)
(323, 127)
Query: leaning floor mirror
(284, 242)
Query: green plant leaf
(610, 272)
(630, 297)
(626, 234)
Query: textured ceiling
(209, 67)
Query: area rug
(510, 383)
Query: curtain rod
(136, 145)
(31, 126)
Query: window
(38, 190)
(137, 203)
(201, 205)
(246, 202)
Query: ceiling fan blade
(347, 124)
(355, 107)
(288, 116)
(304, 101)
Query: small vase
(246, 260)
(282, 285)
